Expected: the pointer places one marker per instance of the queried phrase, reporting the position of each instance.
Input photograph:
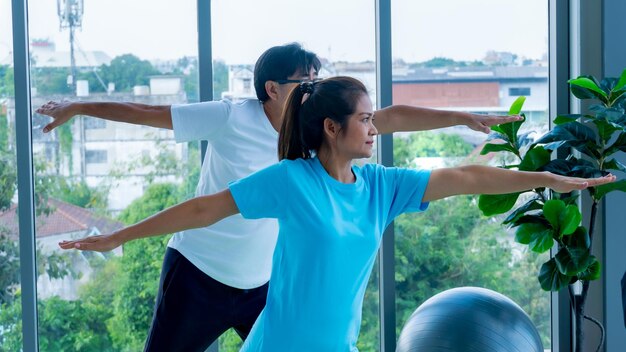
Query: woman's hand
(565, 184)
(483, 123)
(99, 243)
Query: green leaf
(534, 159)
(606, 129)
(583, 93)
(550, 278)
(579, 239)
(490, 147)
(602, 190)
(537, 236)
(622, 82)
(587, 83)
(616, 96)
(619, 144)
(520, 211)
(532, 218)
(569, 219)
(571, 131)
(613, 164)
(510, 130)
(592, 272)
(559, 120)
(492, 204)
(552, 211)
(572, 261)
(516, 107)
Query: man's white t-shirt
(241, 140)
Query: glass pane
(10, 294)
(341, 33)
(475, 56)
(94, 176)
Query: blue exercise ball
(469, 319)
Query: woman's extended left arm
(197, 212)
(476, 179)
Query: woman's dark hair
(303, 123)
(280, 62)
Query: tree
(127, 71)
(77, 192)
(51, 80)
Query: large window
(341, 33)
(93, 177)
(475, 56)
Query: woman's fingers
(94, 243)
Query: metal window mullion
(205, 76)
(559, 69)
(205, 58)
(25, 184)
(386, 255)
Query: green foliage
(127, 71)
(428, 144)
(77, 192)
(438, 62)
(8, 179)
(9, 266)
(11, 325)
(64, 134)
(220, 78)
(71, 326)
(138, 280)
(7, 88)
(4, 133)
(542, 223)
(51, 80)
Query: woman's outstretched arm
(476, 179)
(196, 212)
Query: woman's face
(357, 139)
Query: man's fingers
(49, 127)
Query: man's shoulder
(246, 106)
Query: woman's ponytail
(290, 140)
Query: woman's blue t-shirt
(327, 243)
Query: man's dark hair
(280, 62)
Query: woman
(331, 214)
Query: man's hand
(482, 123)
(61, 112)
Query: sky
(339, 30)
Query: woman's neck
(337, 167)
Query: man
(216, 278)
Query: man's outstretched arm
(398, 118)
(140, 114)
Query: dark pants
(192, 310)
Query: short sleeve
(408, 190)
(199, 121)
(263, 193)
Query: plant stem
(595, 321)
(579, 307)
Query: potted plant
(586, 144)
